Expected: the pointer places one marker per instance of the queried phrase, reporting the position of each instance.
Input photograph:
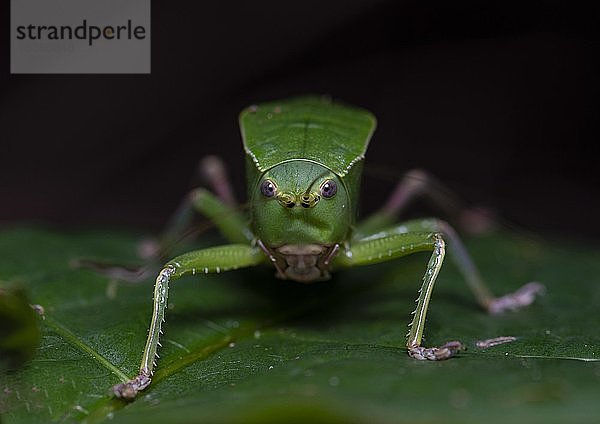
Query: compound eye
(268, 188)
(328, 189)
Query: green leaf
(244, 347)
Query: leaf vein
(76, 342)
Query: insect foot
(435, 353)
(513, 301)
(130, 389)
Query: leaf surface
(244, 347)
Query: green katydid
(304, 159)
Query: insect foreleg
(380, 249)
(210, 260)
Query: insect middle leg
(230, 222)
(418, 183)
(214, 171)
(219, 206)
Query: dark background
(500, 100)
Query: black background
(500, 100)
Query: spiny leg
(417, 325)
(524, 296)
(210, 260)
(381, 249)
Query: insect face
(300, 201)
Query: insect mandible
(304, 160)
